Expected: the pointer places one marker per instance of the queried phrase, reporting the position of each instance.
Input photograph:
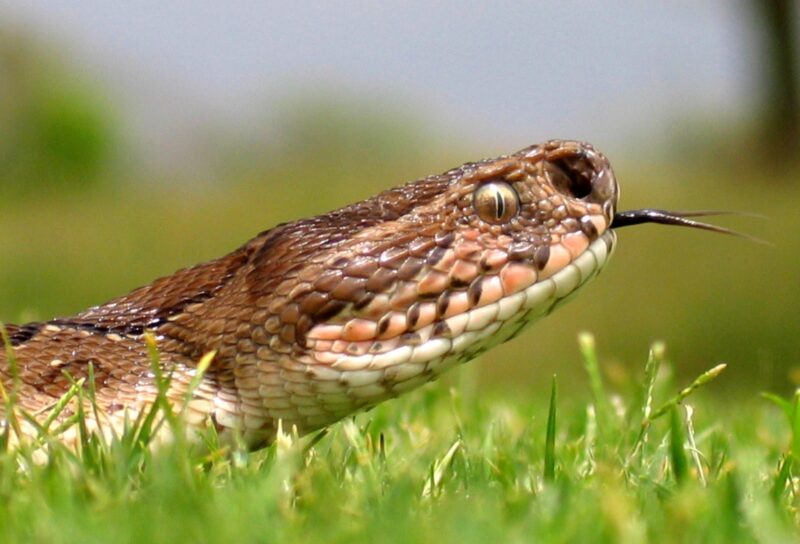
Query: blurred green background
(115, 169)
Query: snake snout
(579, 173)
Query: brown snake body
(316, 319)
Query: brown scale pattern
(372, 277)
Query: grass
(652, 463)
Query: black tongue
(665, 217)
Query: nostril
(571, 176)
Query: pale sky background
(497, 74)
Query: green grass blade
(795, 447)
(779, 484)
(591, 363)
(703, 379)
(550, 440)
(680, 464)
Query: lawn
(656, 462)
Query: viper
(317, 319)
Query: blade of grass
(700, 381)
(10, 397)
(438, 470)
(782, 478)
(603, 408)
(693, 449)
(148, 427)
(676, 450)
(61, 404)
(795, 446)
(200, 372)
(550, 440)
(654, 360)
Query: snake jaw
(467, 334)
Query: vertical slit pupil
(500, 204)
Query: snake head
(407, 283)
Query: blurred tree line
(58, 130)
(779, 130)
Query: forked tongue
(681, 219)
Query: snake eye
(496, 202)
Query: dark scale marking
(122, 329)
(76, 368)
(301, 328)
(150, 306)
(410, 269)
(435, 255)
(541, 256)
(381, 280)
(19, 334)
(444, 239)
(475, 291)
(521, 251)
(588, 228)
(329, 310)
(362, 302)
(442, 304)
(410, 339)
(383, 324)
(441, 328)
(412, 316)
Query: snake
(317, 319)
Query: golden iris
(496, 202)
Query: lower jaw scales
(488, 325)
